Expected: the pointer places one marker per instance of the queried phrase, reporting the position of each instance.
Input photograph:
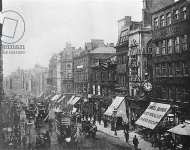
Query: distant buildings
(31, 82)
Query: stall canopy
(75, 100)
(60, 99)
(56, 97)
(181, 129)
(70, 100)
(153, 115)
(118, 104)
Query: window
(170, 69)
(177, 68)
(157, 70)
(177, 45)
(176, 14)
(156, 23)
(184, 13)
(171, 93)
(169, 46)
(164, 69)
(164, 92)
(157, 51)
(179, 93)
(168, 19)
(164, 47)
(184, 42)
(162, 21)
(185, 68)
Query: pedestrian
(126, 133)
(135, 142)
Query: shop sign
(153, 115)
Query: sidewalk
(143, 145)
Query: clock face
(147, 86)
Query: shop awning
(181, 129)
(118, 104)
(75, 100)
(153, 115)
(60, 99)
(56, 97)
(70, 100)
(115, 105)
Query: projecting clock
(147, 86)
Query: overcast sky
(51, 23)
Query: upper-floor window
(164, 69)
(162, 21)
(185, 68)
(184, 42)
(168, 19)
(157, 69)
(176, 14)
(156, 22)
(157, 51)
(169, 46)
(177, 44)
(170, 69)
(164, 47)
(177, 68)
(184, 12)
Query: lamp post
(115, 120)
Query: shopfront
(116, 113)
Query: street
(101, 142)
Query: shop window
(184, 42)
(169, 46)
(162, 21)
(177, 68)
(177, 45)
(168, 19)
(185, 69)
(164, 69)
(184, 12)
(164, 47)
(176, 14)
(156, 23)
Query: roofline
(171, 5)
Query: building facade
(82, 65)
(171, 64)
(52, 74)
(1, 60)
(67, 69)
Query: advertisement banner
(152, 115)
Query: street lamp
(115, 120)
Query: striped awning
(75, 100)
(70, 100)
